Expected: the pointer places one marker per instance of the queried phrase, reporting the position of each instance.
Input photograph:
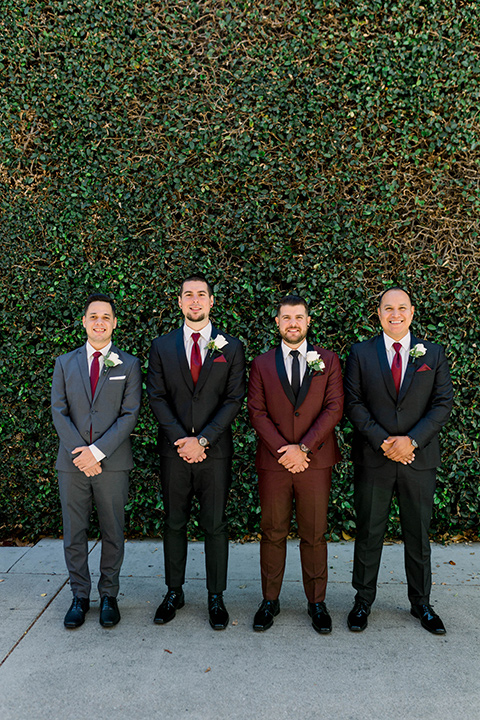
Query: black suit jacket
(420, 411)
(207, 409)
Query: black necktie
(295, 372)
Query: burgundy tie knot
(195, 358)
(397, 366)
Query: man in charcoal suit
(398, 395)
(295, 399)
(196, 384)
(96, 393)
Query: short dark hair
(197, 277)
(395, 287)
(99, 297)
(292, 300)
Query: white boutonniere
(112, 360)
(314, 362)
(216, 344)
(417, 351)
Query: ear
(211, 301)
(83, 321)
(179, 301)
(277, 320)
(114, 322)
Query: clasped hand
(399, 448)
(86, 461)
(293, 459)
(190, 450)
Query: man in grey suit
(195, 384)
(398, 395)
(96, 393)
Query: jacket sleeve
(257, 411)
(232, 400)
(332, 409)
(440, 405)
(69, 436)
(157, 396)
(355, 407)
(123, 426)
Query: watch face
(203, 442)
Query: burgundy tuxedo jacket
(279, 419)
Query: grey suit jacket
(112, 413)
(421, 409)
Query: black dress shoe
(428, 618)
(172, 602)
(109, 612)
(76, 614)
(217, 611)
(321, 620)
(263, 619)
(357, 617)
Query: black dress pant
(374, 489)
(209, 481)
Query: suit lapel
(282, 374)
(410, 371)
(385, 367)
(83, 368)
(182, 359)
(305, 386)
(105, 371)
(207, 363)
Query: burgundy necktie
(195, 359)
(94, 373)
(397, 367)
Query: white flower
(112, 360)
(216, 344)
(314, 362)
(417, 351)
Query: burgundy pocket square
(221, 358)
(423, 368)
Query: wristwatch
(304, 448)
(414, 442)
(203, 441)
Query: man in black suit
(398, 395)
(196, 384)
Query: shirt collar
(104, 351)
(205, 332)
(302, 349)
(404, 342)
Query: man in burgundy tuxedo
(196, 385)
(398, 395)
(295, 399)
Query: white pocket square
(118, 377)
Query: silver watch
(203, 441)
(304, 448)
(414, 442)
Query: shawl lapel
(207, 363)
(305, 386)
(410, 371)
(282, 374)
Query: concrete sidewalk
(185, 670)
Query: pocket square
(118, 377)
(423, 368)
(220, 358)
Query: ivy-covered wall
(325, 147)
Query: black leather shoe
(428, 618)
(109, 612)
(357, 617)
(321, 620)
(76, 614)
(172, 602)
(217, 612)
(263, 619)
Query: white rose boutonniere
(112, 360)
(417, 351)
(314, 362)
(216, 344)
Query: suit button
(195, 398)
(399, 409)
(297, 414)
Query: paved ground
(185, 670)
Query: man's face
(99, 322)
(396, 314)
(195, 302)
(293, 322)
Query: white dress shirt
(97, 454)
(203, 340)
(404, 351)
(288, 359)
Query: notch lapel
(83, 368)
(385, 367)
(282, 374)
(182, 359)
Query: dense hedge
(325, 147)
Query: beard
(298, 340)
(199, 318)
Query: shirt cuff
(97, 454)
